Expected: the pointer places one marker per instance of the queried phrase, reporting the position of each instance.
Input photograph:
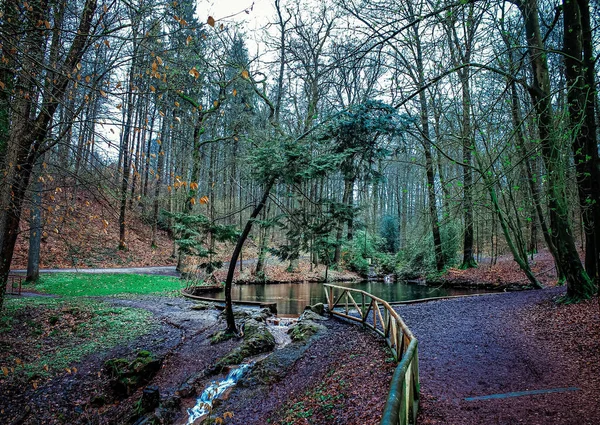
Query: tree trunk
(158, 183)
(580, 95)
(236, 252)
(35, 227)
(27, 136)
(579, 285)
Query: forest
(436, 132)
(410, 140)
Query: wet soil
(503, 343)
(340, 377)
(180, 337)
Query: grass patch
(42, 337)
(95, 285)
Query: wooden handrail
(402, 404)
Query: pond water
(291, 298)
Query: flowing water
(291, 298)
(204, 403)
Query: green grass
(99, 285)
(55, 334)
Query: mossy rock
(221, 336)
(303, 330)
(311, 315)
(257, 340)
(318, 308)
(126, 377)
(201, 306)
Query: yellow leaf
(79, 66)
(161, 113)
(47, 24)
(46, 367)
(74, 370)
(194, 186)
(211, 21)
(4, 370)
(177, 104)
(119, 106)
(152, 89)
(194, 73)
(219, 421)
(188, 40)
(193, 201)
(227, 415)
(107, 43)
(234, 93)
(87, 79)
(204, 200)
(2, 85)
(35, 385)
(103, 93)
(245, 74)
(159, 60)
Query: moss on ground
(257, 340)
(45, 336)
(94, 285)
(302, 331)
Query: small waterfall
(279, 329)
(204, 403)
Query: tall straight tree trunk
(35, 226)
(158, 183)
(467, 147)
(579, 285)
(580, 96)
(126, 135)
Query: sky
(260, 12)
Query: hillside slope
(84, 232)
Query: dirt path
(155, 270)
(488, 345)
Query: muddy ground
(329, 376)
(499, 345)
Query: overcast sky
(260, 12)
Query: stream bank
(177, 360)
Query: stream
(214, 391)
(218, 389)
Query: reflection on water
(291, 298)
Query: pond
(291, 298)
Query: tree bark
(236, 253)
(27, 137)
(579, 285)
(35, 227)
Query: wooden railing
(14, 283)
(402, 404)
